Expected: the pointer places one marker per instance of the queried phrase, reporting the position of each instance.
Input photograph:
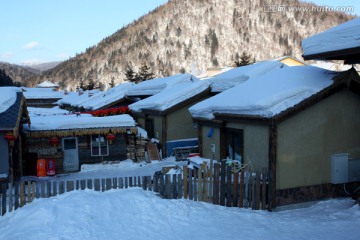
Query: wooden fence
(220, 186)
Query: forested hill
(183, 35)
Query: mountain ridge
(194, 34)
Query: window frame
(98, 145)
(230, 135)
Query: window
(235, 144)
(99, 146)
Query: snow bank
(343, 36)
(75, 100)
(136, 214)
(7, 97)
(267, 95)
(42, 93)
(35, 112)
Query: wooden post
(206, 186)
(16, 195)
(10, 190)
(222, 182)
(114, 183)
(126, 182)
(121, 183)
(97, 184)
(228, 186)
(77, 184)
(199, 185)
(103, 185)
(70, 186)
(162, 186)
(185, 173)
(33, 192)
(180, 186)
(3, 198)
(48, 189)
(195, 191)
(89, 184)
(108, 184)
(216, 183)
(83, 184)
(54, 192)
(257, 193)
(174, 187)
(263, 189)
(22, 194)
(42, 193)
(168, 186)
(156, 183)
(242, 187)
(190, 184)
(235, 190)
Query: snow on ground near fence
(136, 214)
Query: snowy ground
(136, 214)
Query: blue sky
(34, 31)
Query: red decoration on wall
(54, 140)
(110, 137)
(9, 136)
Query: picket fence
(219, 185)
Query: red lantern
(110, 137)
(9, 136)
(54, 140)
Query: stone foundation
(313, 193)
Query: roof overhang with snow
(338, 43)
(79, 125)
(346, 80)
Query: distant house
(290, 122)
(73, 101)
(76, 139)
(113, 97)
(165, 115)
(48, 84)
(338, 43)
(42, 97)
(13, 113)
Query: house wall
(4, 155)
(256, 144)
(158, 131)
(141, 122)
(306, 141)
(207, 141)
(180, 125)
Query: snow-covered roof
(7, 97)
(156, 85)
(75, 99)
(113, 94)
(73, 121)
(171, 96)
(239, 75)
(42, 93)
(267, 95)
(47, 84)
(343, 36)
(35, 112)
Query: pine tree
(145, 73)
(91, 85)
(112, 83)
(5, 80)
(130, 74)
(244, 59)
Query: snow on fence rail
(220, 186)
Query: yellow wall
(292, 62)
(207, 141)
(256, 144)
(180, 125)
(307, 140)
